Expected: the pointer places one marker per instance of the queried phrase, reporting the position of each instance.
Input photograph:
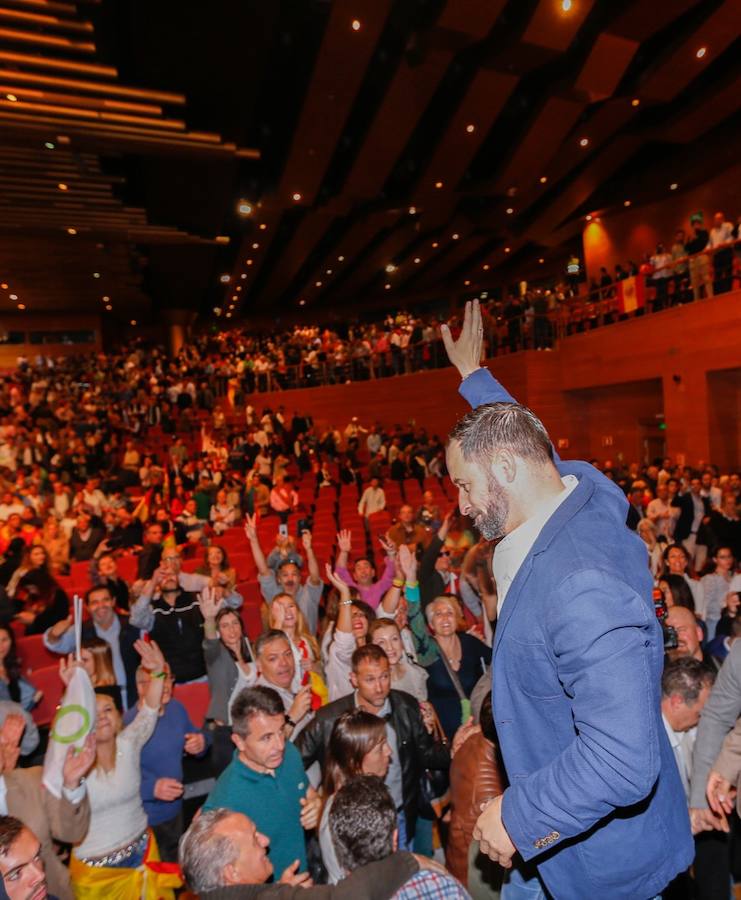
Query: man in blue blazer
(595, 803)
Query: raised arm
(344, 617)
(250, 531)
(312, 564)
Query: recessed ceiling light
(627, 202)
(302, 302)
(467, 282)
(435, 244)
(21, 306)
(541, 260)
(235, 297)
(470, 128)
(96, 274)
(565, 5)
(297, 197)
(329, 271)
(249, 262)
(412, 210)
(244, 208)
(263, 226)
(438, 184)
(673, 186)
(701, 52)
(317, 284)
(588, 218)
(356, 24)
(228, 315)
(133, 321)
(225, 279)
(243, 275)
(387, 286)
(509, 210)
(390, 267)
(109, 307)
(635, 101)
(417, 260)
(71, 231)
(4, 285)
(486, 267)
(506, 249)
(13, 296)
(50, 145)
(340, 258)
(584, 142)
(238, 288)
(62, 186)
(543, 179)
(455, 236)
(106, 299)
(255, 246)
(12, 98)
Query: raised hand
(344, 541)
(465, 353)
(388, 545)
(210, 603)
(301, 705)
(250, 527)
(59, 628)
(335, 580)
(408, 563)
(67, 668)
(306, 540)
(152, 658)
(77, 763)
(10, 740)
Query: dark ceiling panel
(341, 64)
(610, 57)
(471, 17)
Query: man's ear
(503, 466)
(395, 840)
(237, 741)
(229, 875)
(354, 680)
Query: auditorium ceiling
(259, 156)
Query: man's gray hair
(502, 426)
(686, 676)
(204, 855)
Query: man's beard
(491, 520)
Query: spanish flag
(631, 294)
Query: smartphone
(283, 530)
(302, 526)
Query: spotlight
(390, 268)
(13, 296)
(71, 231)
(455, 236)
(626, 202)
(566, 5)
(584, 142)
(50, 145)
(262, 226)
(133, 322)
(467, 282)
(438, 184)
(635, 102)
(340, 258)
(701, 52)
(387, 286)
(543, 179)
(255, 246)
(21, 306)
(96, 274)
(673, 186)
(588, 218)
(486, 267)
(297, 197)
(470, 128)
(62, 186)
(417, 260)
(356, 24)
(244, 208)
(509, 210)
(12, 98)
(317, 284)
(541, 260)
(412, 210)
(507, 249)
(435, 245)
(302, 302)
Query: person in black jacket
(413, 749)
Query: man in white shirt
(685, 688)
(720, 239)
(662, 513)
(373, 499)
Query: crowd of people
(322, 588)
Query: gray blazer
(717, 719)
(222, 676)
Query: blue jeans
(519, 887)
(404, 842)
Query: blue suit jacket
(595, 799)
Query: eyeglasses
(445, 553)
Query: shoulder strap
(453, 675)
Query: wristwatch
(289, 721)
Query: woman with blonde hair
(119, 857)
(216, 566)
(97, 660)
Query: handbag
(434, 784)
(453, 675)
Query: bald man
(689, 636)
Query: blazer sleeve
(718, 717)
(310, 742)
(602, 636)
(728, 763)
(432, 754)
(68, 822)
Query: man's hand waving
(465, 353)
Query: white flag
(74, 720)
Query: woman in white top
(114, 856)
(357, 746)
(350, 632)
(406, 675)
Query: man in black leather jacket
(413, 749)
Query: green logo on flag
(81, 731)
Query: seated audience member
(223, 850)
(13, 686)
(216, 568)
(119, 846)
(222, 514)
(284, 551)
(104, 573)
(85, 538)
(412, 747)
(372, 500)
(162, 763)
(66, 818)
(715, 588)
(475, 778)
(37, 596)
(362, 823)
(151, 553)
(407, 531)
(429, 515)
(358, 745)
(104, 623)
(287, 578)
(363, 572)
(266, 780)
(126, 533)
(56, 543)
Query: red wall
(618, 237)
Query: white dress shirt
(682, 743)
(511, 551)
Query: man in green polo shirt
(266, 780)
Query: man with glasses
(162, 763)
(105, 623)
(168, 609)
